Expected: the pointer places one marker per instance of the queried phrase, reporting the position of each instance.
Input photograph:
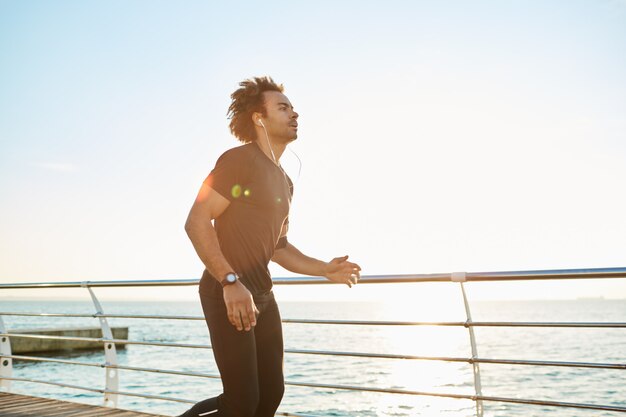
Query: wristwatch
(229, 279)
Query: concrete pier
(31, 345)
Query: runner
(248, 194)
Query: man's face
(281, 121)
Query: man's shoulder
(233, 163)
(244, 151)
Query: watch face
(231, 278)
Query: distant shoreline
(86, 300)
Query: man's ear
(256, 116)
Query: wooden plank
(99, 411)
(72, 409)
(26, 408)
(60, 409)
(17, 402)
(38, 407)
(8, 401)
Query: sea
(579, 385)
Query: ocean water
(517, 381)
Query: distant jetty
(32, 345)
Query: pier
(18, 405)
(44, 344)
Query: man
(249, 194)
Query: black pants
(250, 362)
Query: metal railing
(111, 391)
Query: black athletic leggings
(250, 362)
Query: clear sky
(434, 136)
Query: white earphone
(260, 122)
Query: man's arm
(209, 205)
(338, 270)
(199, 227)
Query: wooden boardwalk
(18, 405)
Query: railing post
(460, 277)
(6, 364)
(110, 354)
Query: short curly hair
(246, 100)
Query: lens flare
(236, 191)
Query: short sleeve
(282, 242)
(286, 224)
(228, 175)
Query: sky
(434, 137)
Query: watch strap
(228, 280)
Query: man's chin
(286, 139)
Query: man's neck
(276, 147)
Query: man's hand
(240, 306)
(342, 271)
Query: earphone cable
(289, 186)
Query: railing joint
(458, 276)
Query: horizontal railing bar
(462, 323)
(102, 340)
(282, 413)
(593, 365)
(104, 365)
(166, 371)
(55, 360)
(353, 322)
(584, 406)
(370, 389)
(101, 391)
(549, 274)
(355, 354)
(377, 355)
(533, 275)
(195, 374)
(471, 397)
(120, 283)
(382, 390)
(375, 322)
(98, 315)
(616, 325)
(60, 384)
(465, 360)
(131, 394)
